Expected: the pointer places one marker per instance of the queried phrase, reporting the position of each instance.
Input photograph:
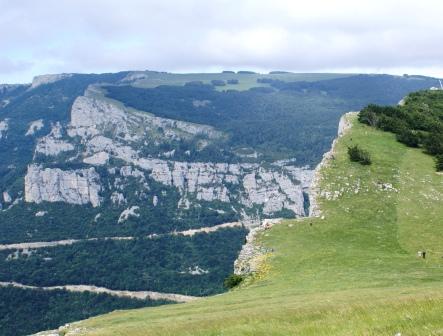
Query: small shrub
(368, 117)
(232, 281)
(218, 82)
(356, 154)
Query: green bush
(439, 162)
(356, 154)
(232, 281)
(409, 138)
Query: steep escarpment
(81, 186)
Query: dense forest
(164, 264)
(417, 123)
(24, 311)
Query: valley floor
(354, 270)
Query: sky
(56, 36)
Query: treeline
(25, 311)
(417, 123)
(378, 89)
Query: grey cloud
(176, 35)
(8, 66)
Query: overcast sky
(54, 36)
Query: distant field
(245, 81)
(355, 272)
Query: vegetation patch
(357, 154)
(233, 280)
(417, 123)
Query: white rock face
(273, 190)
(128, 213)
(314, 190)
(118, 198)
(40, 213)
(91, 116)
(6, 197)
(196, 270)
(55, 185)
(4, 125)
(250, 258)
(34, 126)
(46, 79)
(98, 159)
(52, 147)
(52, 144)
(105, 130)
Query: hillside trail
(64, 242)
(141, 295)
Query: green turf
(245, 81)
(355, 272)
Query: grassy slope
(356, 272)
(245, 81)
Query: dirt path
(142, 295)
(37, 245)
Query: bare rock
(80, 186)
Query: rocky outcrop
(47, 79)
(4, 125)
(129, 212)
(250, 257)
(55, 185)
(91, 116)
(97, 159)
(7, 197)
(34, 126)
(274, 190)
(53, 144)
(52, 147)
(314, 191)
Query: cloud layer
(52, 36)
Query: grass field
(245, 81)
(355, 272)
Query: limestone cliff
(80, 186)
(102, 131)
